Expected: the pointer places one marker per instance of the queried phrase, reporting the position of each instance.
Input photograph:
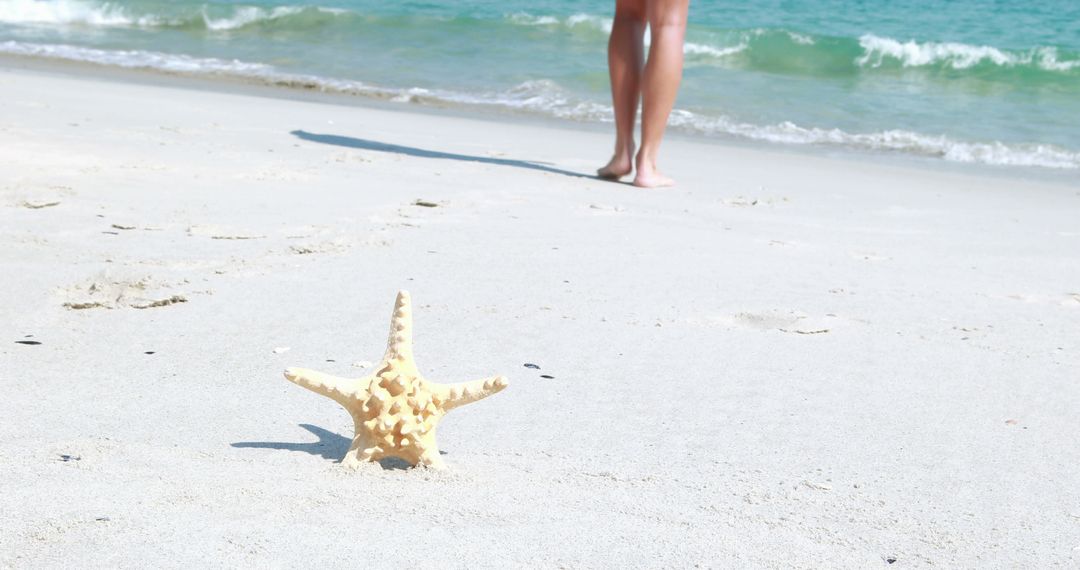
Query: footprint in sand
(338, 245)
(105, 291)
(740, 202)
(401, 221)
(350, 156)
(969, 332)
(305, 232)
(39, 204)
(794, 322)
(750, 201)
(278, 173)
(767, 320)
(42, 198)
(222, 232)
(605, 209)
(1067, 300)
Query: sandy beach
(790, 360)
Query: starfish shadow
(330, 446)
(364, 144)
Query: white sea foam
(597, 22)
(604, 24)
(541, 96)
(202, 66)
(796, 37)
(135, 59)
(546, 97)
(745, 43)
(1047, 58)
(801, 39)
(991, 153)
(525, 19)
(690, 48)
(878, 50)
(245, 15)
(69, 12)
(108, 14)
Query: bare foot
(649, 177)
(620, 165)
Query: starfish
(395, 410)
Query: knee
(668, 21)
(667, 15)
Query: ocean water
(994, 82)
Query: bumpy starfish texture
(395, 411)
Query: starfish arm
(338, 389)
(399, 345)
(430, 458)
(454, 395)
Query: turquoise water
(989, 82)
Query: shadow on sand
(364, 144)
(330, 446)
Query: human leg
(625, 60)
(660, 83)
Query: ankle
(645, 160)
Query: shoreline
(263, 88)
(789, 360)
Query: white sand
(789, 361)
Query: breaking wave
(70, 12)
(779, 50)
(791, 52)
(991, 153)
(770, 50)
(207, 17)
(882, 51)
